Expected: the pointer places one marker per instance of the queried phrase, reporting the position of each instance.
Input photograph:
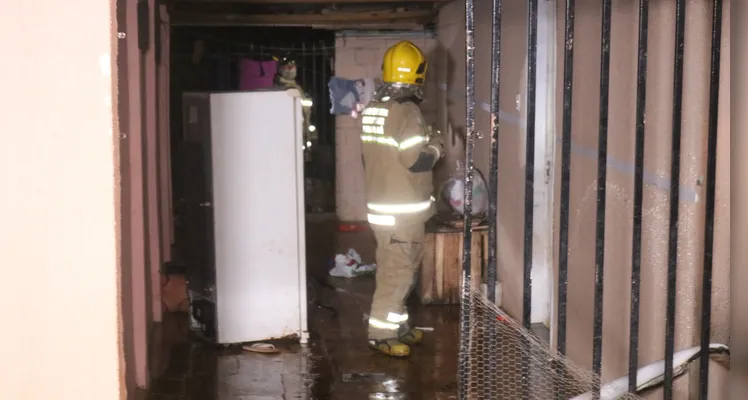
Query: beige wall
(739, 231)
(75, 170)
(58, 243)
(620, 168)
(451, 33)
(656, 193)
(361, 57)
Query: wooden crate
(440, 279)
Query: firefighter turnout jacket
(398, 160)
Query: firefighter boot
(390, 347)
(412, 336)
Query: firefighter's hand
(437, 143)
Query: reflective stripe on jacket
(397, 163)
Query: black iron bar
(304, 69)
(672, 269)
(326, 126)
(492, 355)
(636, 242)
(323, 94)
(563, 256)
(711, 177)
(602, 171)
(316, 90)
(313, 165)
(532, 49)
(493, 177)
(329, 128)
(464, 356)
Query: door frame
(125, 252)
(137, 295)
(543, 291)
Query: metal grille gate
(489, 363)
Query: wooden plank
(193, 18)
(427, 281)
(441, 271)
(321, 2)
(439, 266)
(456, 222)
(460, 223)
(451, 223)
(453, 268)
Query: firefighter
(285, 78)
(398, 157)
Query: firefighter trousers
(398, 256)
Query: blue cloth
(343, 95)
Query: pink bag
(256, 74)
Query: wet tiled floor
(336, 364)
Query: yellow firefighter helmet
(404, 63)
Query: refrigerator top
(209, 92)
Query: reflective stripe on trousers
(393, 322)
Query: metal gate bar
(711, 175)
(532, 52)
(636, 242)
(493, 197)
(464, 356)
(602, 170)
(563, 253)
(491, 362)
(493, 176)
(680, 36)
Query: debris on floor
(266, 348)
(364, 377)
(351, 227)
(350, 266)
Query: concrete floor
(337, 364)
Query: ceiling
(338, 15)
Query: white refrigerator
(253, 286)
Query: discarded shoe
(412, 336)
(390, 347)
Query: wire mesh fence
(500, 358)
(507, 361)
